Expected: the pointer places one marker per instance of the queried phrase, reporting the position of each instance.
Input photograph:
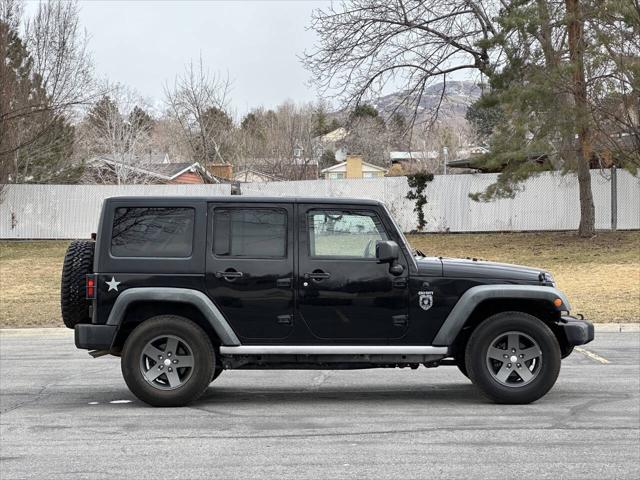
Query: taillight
(91, 287)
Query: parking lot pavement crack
(584, 407)
(42, 393)
(316, 434)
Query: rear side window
(250, 232)
(153, 232)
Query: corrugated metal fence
(71, 211)
(546, 202)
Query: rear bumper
(94, 337)
(576, 330)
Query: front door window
(339, 234)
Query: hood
(461, 268)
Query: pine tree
(36, 142)
(541, 111)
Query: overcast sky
(145, 43)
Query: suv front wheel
(513, 357)
(167, 361)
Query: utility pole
(614, 198)
(445, 156)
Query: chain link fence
(548, 201)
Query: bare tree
(405, 45)
(58, 46)
(279, 142)
(167, 137)
(116, 141)
(198, 101)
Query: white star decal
(113, 285)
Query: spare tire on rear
(78, 262)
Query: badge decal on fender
(425, 299)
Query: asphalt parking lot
(66, 415)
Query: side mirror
(387, 251)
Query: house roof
(413, 155)
(477, 163)
(333, 136)
(339, 167)
(163, 171)
(298, 162)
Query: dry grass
(30, 283)
(601, 276)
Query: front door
(344, 294)
(249, 273)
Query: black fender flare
(467, 303)
(179, 295)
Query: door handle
(316, 275)
(283, 283)
(230, 274)
(285, 320)
(400, 320)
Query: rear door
(249, 269)
(344, 294)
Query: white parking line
(591, 355)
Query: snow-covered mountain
(457, 98)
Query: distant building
(331, 141)
(413, 156)
(282, 168)
(353, 167)
(148, 169)
(222, 171)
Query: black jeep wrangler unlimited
(184, 288)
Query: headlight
(546, 277)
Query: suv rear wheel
(168, 361)
(513, 357)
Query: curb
(9, 332)
(617, 327)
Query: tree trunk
(579, 91)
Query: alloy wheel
(167, 362)
(514, 359)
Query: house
(283, 168)
(614, 149)
(403, 163)
(147, 169)
(253, 175)
(222, 171)
(353, 167)
(413, 156)
(331, 141)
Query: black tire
(194, 380)
(460, 362)
(566, 351)
(78, 262)
(216, 373)
(484, 371)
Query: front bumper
(576, 330)
(94, 337)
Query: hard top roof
(244, 199)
